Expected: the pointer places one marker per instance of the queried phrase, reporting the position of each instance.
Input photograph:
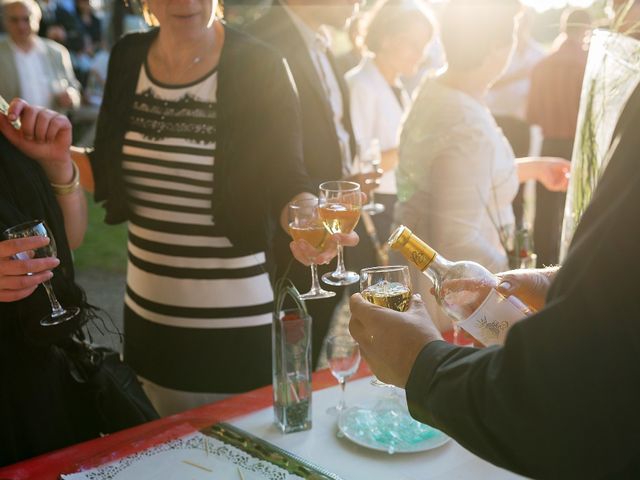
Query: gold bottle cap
(412, 247)
(400, 237)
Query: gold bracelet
(72, 186)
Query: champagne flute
(305, 224)
(339, 210)
(388, 287)
(369, 160)
(39, 228)
(343, 355)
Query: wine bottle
(466, 291)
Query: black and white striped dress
(197, 309)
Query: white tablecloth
(321, 445)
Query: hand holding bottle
(466, 291)
(530, 285)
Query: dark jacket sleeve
(560, 398)
(286, 171)
(99, 156)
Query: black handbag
(112, 385)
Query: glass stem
(340, 268)
(372, 201)
(315, 283)
(343, 385)
(56, 308)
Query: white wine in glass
(388, 287)
(340, 204)
(39, 228)
(305, 224)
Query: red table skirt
(126, 442)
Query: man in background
(297, 29)
(36, 69)
(554, 100)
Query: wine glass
(305, 224)
(339, 210)
(369, 160)
(388, 287)
(39, 228)
(343, 355)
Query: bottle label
(492, 320)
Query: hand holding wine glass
(343, 355)
(305, 226)
(339, 210)
(390, 341)
(388, 287)
(20, 274)
(38, 228)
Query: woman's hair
(472, 29)
(390, 17)
(152, 21)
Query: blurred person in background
(59, 23)
(352, 57)
(91, 30)
(508, 96)
(397, 34)
(36, 69)
(198, 147)
(559, 400)
(457, 174)
(554, 100)
(298, 30)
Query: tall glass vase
(611, 76)
(291, 346)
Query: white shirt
(318, 44)
(376, 112)
(456, 180)
(511, 99)
(34, 74)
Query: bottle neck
(437, 269)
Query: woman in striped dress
(198, 148)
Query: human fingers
(58, 124)
(28, 116)
(24, 267)
(41, 126)
(8, 248)
(15, 295)
(299, 253)
(23, 283)
(350, 239)
(530, 286)
(16, 107)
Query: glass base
(68, 314)
(373, 208)
(377, 383)
(340, 279)
(317, 294)
(335, 411)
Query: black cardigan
(258, 158)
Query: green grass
(105, 246)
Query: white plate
(368, 428)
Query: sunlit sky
(542, 5)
